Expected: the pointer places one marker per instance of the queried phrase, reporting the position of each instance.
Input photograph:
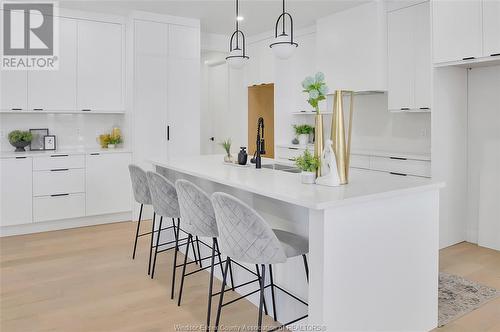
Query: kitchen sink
(281, 167)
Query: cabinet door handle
(398, 158)
(405, 108)
(290, 148)
(400, 174)
(95, 154)
(86, 110)
(168, 133)
(425, 108)
(57, 195)
(20, 157)
(38, 109)
(495, 54)
(469, 58)
(59, 170)
(16, 109)
(58, 155)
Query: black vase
(20, 145)
(242, 156)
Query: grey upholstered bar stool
(142, 196)
(246, 237)
(198, 219)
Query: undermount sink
(281, 167)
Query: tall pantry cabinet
(166, 87)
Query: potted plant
(308, 164)
(303, 131)
(20, 139)
(113, 141)
(226, 144)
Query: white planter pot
(303, 139)
(111, 146)
(308, 177)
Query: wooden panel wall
(261, 104)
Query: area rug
(459, 296)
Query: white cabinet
(13, 94)
(108, 186)
(184, 42)
(58, 206)
(409, 58)
(58, 181)
(99, 69)
(15, 191)
(491, 27)
(456, 30)
(56, 89)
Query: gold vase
(341, 142)
(318, 139)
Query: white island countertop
(363, 185)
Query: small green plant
(307, 162)
(17, 136)
(303, 129)
(316, 89)
(226, 144)
(114, 139)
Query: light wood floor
(84, 280)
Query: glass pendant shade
(236, 60)
(282, 47)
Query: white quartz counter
(364, 184)
(13, 154)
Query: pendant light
(283, 45)
(237, 55)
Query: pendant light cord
(283, 17)
(237, 25)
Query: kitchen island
(373, 244)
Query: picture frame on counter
(38, 140)
(49, 142)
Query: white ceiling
(217, 16)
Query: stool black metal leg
(260, 282)
(306, 267)
(220, 263)
(137, 231)
(156, 248)
(275, 315)
(194, 253)
(262, 300)
(190, 239)
(219, 257)
(199, 253)
(151, 244)
(210, 285)
(222, 290)
(175, 255)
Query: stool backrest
(244, 235)
(197, 213)
(140, 184)
(163, 196)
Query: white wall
(483, 157)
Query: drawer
(58, 207)
(359, 161)
(57, 161)
(288, 154)
(403, 166)
(58, 181)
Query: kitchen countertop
(13, 154)
(364, 185)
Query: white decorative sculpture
(329, 171)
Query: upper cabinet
(184, 42)
(409, 58)
(56, 89)
(491, 27)
(99, 69)
(465, 30)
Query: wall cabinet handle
(400, 174)
(57, 195)
(168, 133)
(59, 170)
(469, 58)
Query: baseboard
(64, 224)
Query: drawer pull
(86, 110)
(16, 109)
(20, 157)
(59, 155)
(59, 170)
(495, 54)
(425, 108)
(405, 108)
(95, 154)
(38, 109)
(293, 148)
(57, 195)
(469, 58)
(398, 158)
(400, 174)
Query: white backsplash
(73, 131)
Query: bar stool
(245, 236)
(165, 204)
(198, 220)
(142, 196)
